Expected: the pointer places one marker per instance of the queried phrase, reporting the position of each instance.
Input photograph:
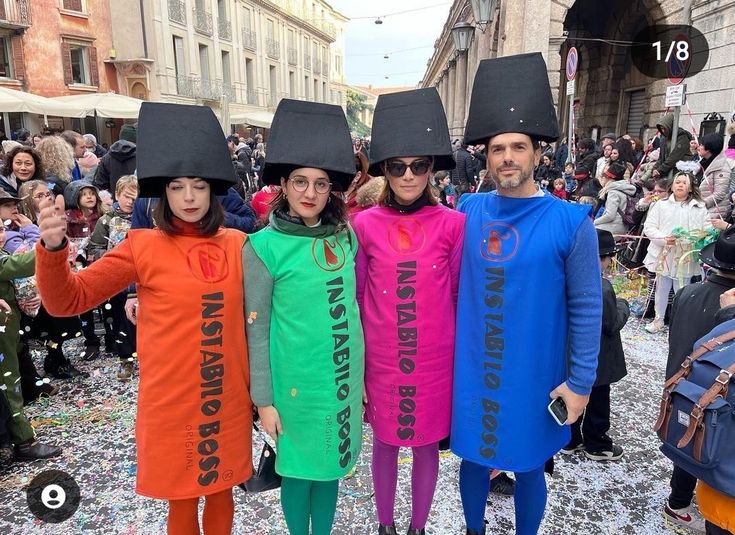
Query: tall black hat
(200, 149)
(410, 123)
(721, 253)
(310, 134)
(511, 94)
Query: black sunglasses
(397, 168)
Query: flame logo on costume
(499, 242)
(330, 256)
(406, 235)
(208, 262)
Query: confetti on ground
(93, 420)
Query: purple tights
(423, 480)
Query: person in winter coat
(671, 155)
(120, 160)
(361, 178)
(369, 193)
(716, 181)
(683, 209)
(463, 175)
(695, 311)
(262, 199)
(587, 186)
(18, 227)
(614, 194)
(241, 155)
(546, 173)
(589, 432)
(603, 161)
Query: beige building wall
(236, 56)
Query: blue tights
(529, 498)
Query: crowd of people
(319, 279)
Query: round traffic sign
(572, 62)
(678, 63)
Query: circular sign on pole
(572, 62)
(679, 60)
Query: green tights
(303, 500)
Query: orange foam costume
(194, 417)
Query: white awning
(20, 101)
(261, 119)
(107, 105)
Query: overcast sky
(367, 42)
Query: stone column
(460, 95)
(451, 95)
(524, 27)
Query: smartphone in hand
(558, 410)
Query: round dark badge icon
(500, 242)
(328, 254)
(53, 496)
(406, 236)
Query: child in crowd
(31, 194)
(84, 208)
(18, 227)
(684, 209)
(22, 435)
(568, 177)
(589, 432)
(560, 189)
(110, 230)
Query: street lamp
(462, 34)
(483, 11)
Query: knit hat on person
(202, 152)
(129, 132)
(511, 94)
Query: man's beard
(515, 182)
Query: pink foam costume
(407, 280)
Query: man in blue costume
(530, 304)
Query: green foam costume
(306, 344)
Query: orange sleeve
(65, 293)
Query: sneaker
(682, 517)
(503, 484)
(125, 372)
(613, 454)
(655, 326)
(571, 448)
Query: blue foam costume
(529, 313)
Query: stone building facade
(611, 94)
(239, 57)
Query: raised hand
(52, 222)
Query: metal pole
(674, 134)
(570, 131)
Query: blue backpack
(696, 420)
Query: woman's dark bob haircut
(209, 224)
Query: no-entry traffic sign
(572, 62)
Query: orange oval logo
(406, 235)
(500, 242)
(328, 253)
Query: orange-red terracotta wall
(42, 44)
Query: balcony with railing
(185, 85)
(224, 28)
(272, 48)
(293, 56)
(252, 97)
(249, 39)
(177, 11)
(272, 99)
(15, 14)
(228, 91)
(307, 61)
(203, 21)
(295, 8)
(206, 89)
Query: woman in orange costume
(193, 426)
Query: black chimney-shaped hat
(410, 123)
(310, 134)
(200, 149)
(511, 94)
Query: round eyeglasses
(301, 184)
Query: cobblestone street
(93, 421)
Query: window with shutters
(6, 63)
(73, 5)
(80, 63)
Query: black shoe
(6, 453)
(66, 371)
(91, 353)
(503, 484)
(387, 530)
(414, 531)
(473, 532)
(32, 451)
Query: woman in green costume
(304, 332)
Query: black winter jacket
(670, 155)
(611, 360)
(464, 172)
(120, 160)
(694, 312)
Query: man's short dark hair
(71, 137)
(233, 139)
(586, 144)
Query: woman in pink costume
(407, 280)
